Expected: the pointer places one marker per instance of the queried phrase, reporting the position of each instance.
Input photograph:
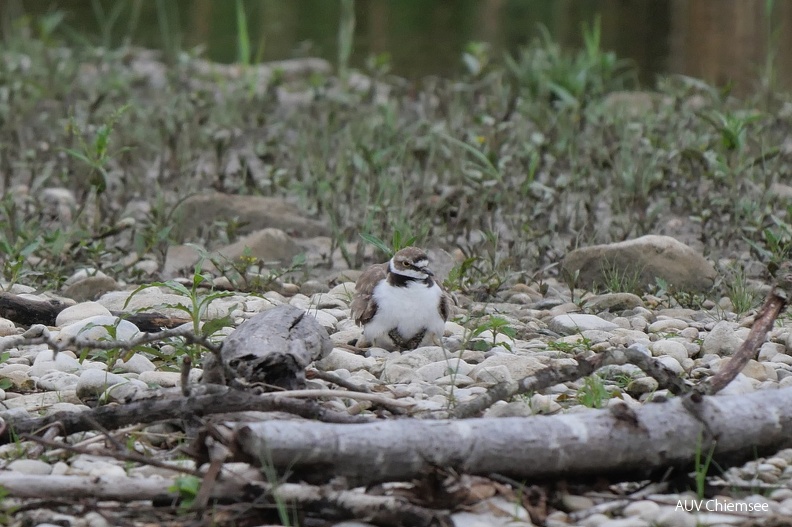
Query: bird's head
(411, 262)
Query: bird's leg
(416, 340)
(397, 339)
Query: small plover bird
(399, 303)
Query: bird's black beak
(427, 271)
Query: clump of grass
(546, 71)
(621, 280)
(743, 297)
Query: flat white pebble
(342, 359)
(79, 312)
(30, 467)
(57, 381)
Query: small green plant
(476, 57)
(731, 126)
(483, 270)
(398, 242)
(593, 393)
(240, 271)
(187, 487)
(196, 307)
(271, 473)
(6, 510)
(97, 154)
(496, 325)
(701, 466)
(5, 383)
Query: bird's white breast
(409, 309)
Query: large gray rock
(272, 349)
(269, 245)
(647, 257)
(251, 213)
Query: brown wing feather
(363, 307)
(444, 307)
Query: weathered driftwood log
(597, 442)
(272, 348)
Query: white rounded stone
(7, 328)
(92, 328)
(79, 312)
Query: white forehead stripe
(423, 262)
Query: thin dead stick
(218, 453)
(335, 379)
(184, 378)
(123, 456)
(550, 376)
(775, 303)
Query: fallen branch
(39, 334)
(597, 442)
(379, 510)
(550, 376)
(29, 312)
(168, 408)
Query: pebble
(721, 340)
(518, 366)
(79, 312)
(325, 319)
(667, 326)
(342, 359)
(92, 328)
(7, 328)
(57, 381)
(93, 383)
(492, 374)
(31, 467)
(434, 370)
(644, 509)
(168, 379)
(669, 348)
(673, 517)
(137, 363)
(572, 323)
(626, 522)
(44, 363)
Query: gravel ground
(531, 331)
